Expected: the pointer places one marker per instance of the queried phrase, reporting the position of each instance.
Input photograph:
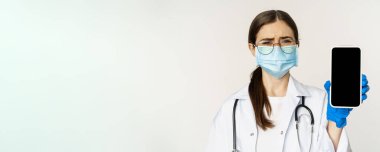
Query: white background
(148, 76)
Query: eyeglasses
(266, 46)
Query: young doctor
(264, 110)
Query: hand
(339, 115)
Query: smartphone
(346, 78)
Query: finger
(364, 82)
(365, 89)
(327, 85)
(364, 76)
(364, 97)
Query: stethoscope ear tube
(234, 127)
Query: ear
(252, 48)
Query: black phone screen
(345, 77)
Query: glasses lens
(289, 49)
(287, 42)
(265, 49)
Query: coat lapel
(294, 92)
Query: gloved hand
(339, 115)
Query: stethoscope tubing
(302, 105)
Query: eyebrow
(282, 37)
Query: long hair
(256, 89)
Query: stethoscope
(296, 117)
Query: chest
(285, 135)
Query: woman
(265, 118)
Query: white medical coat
(220, 138)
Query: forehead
(274, 30)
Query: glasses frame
(257, 46)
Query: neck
(275, 87)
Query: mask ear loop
(296, 50)
(256, 50)
(257, 53)
(296, 56)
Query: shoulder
(305, 90)
(317, 101)
(315, 91)
(317, 97)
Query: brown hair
(256, 89)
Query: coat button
(252, 134)
(282, 132)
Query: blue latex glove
(339, 115)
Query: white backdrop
(148, 76)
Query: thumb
(327, 85)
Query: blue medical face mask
(278, 61)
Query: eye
(287, 41)
(265, 42)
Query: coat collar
(295, 89)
